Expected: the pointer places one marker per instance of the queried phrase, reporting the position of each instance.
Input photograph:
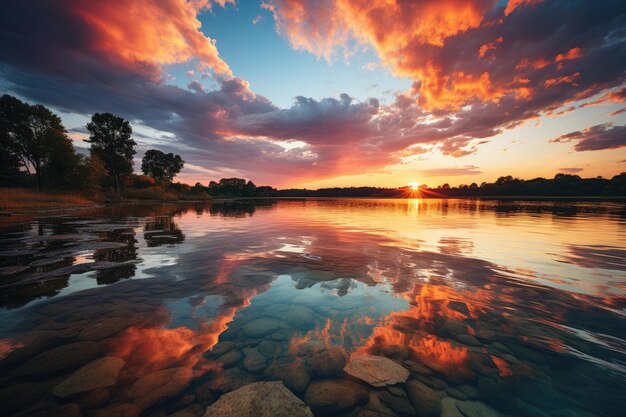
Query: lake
(479, 307)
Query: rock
(418, 368)
(6, 271)
(104, 328)
(95, 398)
(294, 375)
(261, 399)
(426, 401)
(100, 373)
(19, 396)
(456, 393)
(191, 411)
(377, 371)
(432, 382)
(300, 317)
(279, 336)
(471, 392)
(459, 307)
(46, 262)
(476, 409)
(66, 410)
(59, 359)
(449, 408)
(268, 348)
(117, 410)
(332, 395)
(373, 413)
(219, 349)
(261, 327)
(67, 236)
(455, 327)
(254, 362)
(468, 339)
(154, 387)
(498, 394)
(230, 359)
(328, 363)
(399, 404)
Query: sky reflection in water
(517, 305)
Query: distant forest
(562, 185)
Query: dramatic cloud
(138, 36)
(598, 137)
(532, 55)
(478, 67)
(571, 170)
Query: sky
(320, 93)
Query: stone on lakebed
(261, 399)
(377, 371)
(97, 374)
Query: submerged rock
(100, 373)
(476, 409)
(230, 359)
(468, 339)
(159, 385)
(294, 375)
(398, 403)
(377, 371)
(261, 399)
(328, 363)
(254, 361)
(59, 359)
(104, 328)
(332, 395)
(117, 410)
(261, 327)
(426, 401)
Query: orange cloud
(489, 46)
(147, 33)
(514, 4)
(573, 53)
(566, 79)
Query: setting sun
(414, 185)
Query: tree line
(562, 185)
(35, 150)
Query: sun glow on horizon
(414, 185)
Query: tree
(110, 138)
(13, 115)
(161, 166)
(35, 137)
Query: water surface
(511, 308)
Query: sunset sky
(316, 93)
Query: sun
(414, 186)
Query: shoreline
(13, 215)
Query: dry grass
(25, 198)
(151, 193)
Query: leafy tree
(33, 137)
(13, 115)
(110, 138)
(161, 166)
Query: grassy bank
(26, 198)
(30, 198)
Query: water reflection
(493, 309)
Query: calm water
(495, 308)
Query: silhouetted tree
(34, 137)
(161, 166)
(110, 138)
